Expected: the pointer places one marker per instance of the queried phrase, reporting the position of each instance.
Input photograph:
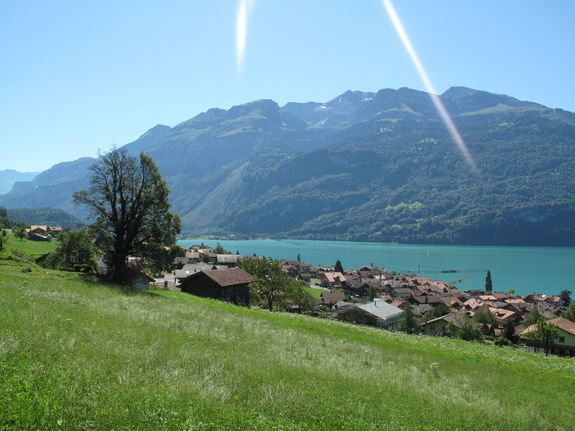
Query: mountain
(9, 176)
(43, 216)
(362, 166)
(52, 188)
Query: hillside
(363, 166)
(76, 354)
(43, 216)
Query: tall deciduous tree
(298, 295)
(565, 296)
(544, 334)
(372, 292)
(469, 332)
(20, 232)
(129, 202)
(407, 322)
(273, 283)
(569, 314)
(338, 266)
(75, 251)
(509, 331)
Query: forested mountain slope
(363, 166)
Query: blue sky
(79, 76)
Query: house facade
(229, 285)
(375, 313)
(564, 343)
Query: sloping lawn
(81, 355)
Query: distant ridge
(9, 176)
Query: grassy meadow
(76, 354)
(315, 292)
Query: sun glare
(437, 102)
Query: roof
(200, 247)
(422, 308)
(228, 258)
(340, 305)
(473, 303)
(38, 227)
(501, 313)
(332, 297)
(456, 318)
(230, 277)
(453, 301)
(334, 277)
(435, 300)
(560, 322)
(381, 309)
(192, 254)
(192, 268)
(421, 299)
(397, 302)
(402, 290)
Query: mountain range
(8, 178)
(364, 166)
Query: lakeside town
(368, 295)
(375, 296)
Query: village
(377, 297)
(370, 296)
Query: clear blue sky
(78, 76)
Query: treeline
(5, 222)
(43, 216)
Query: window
(561, 339)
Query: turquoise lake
(545, 270)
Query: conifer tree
(488, 282)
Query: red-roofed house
(332, 279)
(564, 342)
(331, 298)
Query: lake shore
(545, 270)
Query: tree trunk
(119, 270)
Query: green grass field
(80, 355)
(29, 248)
(315, 292)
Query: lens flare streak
(437, 102)
(244, 9)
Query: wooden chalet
(229, 285)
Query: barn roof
(230, 277)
